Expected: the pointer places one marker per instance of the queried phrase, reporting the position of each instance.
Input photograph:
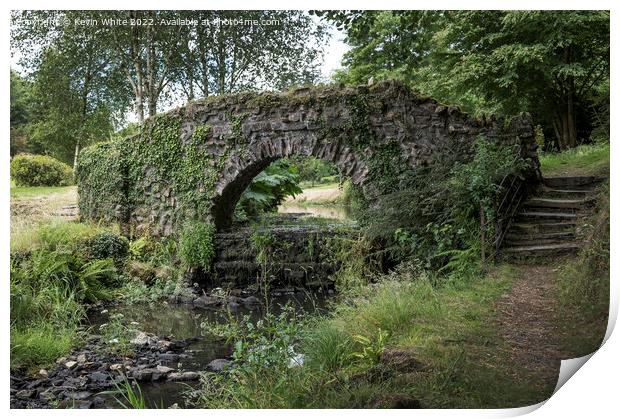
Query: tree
(21, 98)
(147, 50)
(78, 90)
(550, 63)
(65, 116)
(545, 62)
(230, 51)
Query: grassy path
(529, 324)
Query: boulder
(163, 369)
(207, 301)
(143, 339)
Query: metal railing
(504, 213)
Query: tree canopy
(554, 64)
(89, 68)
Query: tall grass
(52, 274)
(447, 329)
(583, 283)
(53, 236)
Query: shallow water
(179, 321)
(336, 212)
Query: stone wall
(300, 256)
(195, 161)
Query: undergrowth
(583, 283)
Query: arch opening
(232, 187)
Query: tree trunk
(565, 125)
(139, 105)
(77, 152)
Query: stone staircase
(547, 222)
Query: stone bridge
(194, 162)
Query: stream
(182, 321)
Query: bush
(196, 245)
(34, 170)
(108, 245)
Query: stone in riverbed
(148, 374)
(98, 377)
(218, 365)
(70, 364)
(26, 394)
(143, 339)
(164, 369)
(169, 357)
(184, 376)
(79, 395)
(251, 301)
(207, 301)
(233, 306)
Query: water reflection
(339, 212)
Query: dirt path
(527, 320)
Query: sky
(334, 52)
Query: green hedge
(35, 170)
(101, 178)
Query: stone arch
(243, 165)
(195, 161)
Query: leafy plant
(108, 245)
(269, 189)
(196, 244)
(131, 396)
(117, 334)
(370, 348)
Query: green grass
(322, 185)
(40, 345)
(53, 272)
(19, 192)
(584, 160)
(583, 284)
(448, 329)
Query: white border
(593, 390)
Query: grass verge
(583, 284)
(584, 160)
(399, 343)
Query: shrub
(108, 245)
(196, 245)
(35, 170)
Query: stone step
(536, 241)
(548, 192)
(544, 215)
(557, 203)
(535, 251)
(536, 235)
(537, 227)
(573, 182)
